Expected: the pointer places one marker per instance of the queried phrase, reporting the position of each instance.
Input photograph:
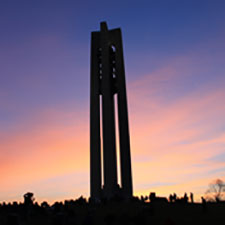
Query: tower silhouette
(108, 83)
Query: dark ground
(134, 212)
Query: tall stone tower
(108, 83)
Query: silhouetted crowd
(136, 211)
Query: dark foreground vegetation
(117, 211)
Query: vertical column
(125, 157)
(109, 145)
(95, 158)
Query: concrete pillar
(95, 144)
(125, 158)
(109, 143)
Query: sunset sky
(175, 72)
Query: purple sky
(174, 57)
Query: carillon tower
(108, 83)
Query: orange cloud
(172, 143)
(53, 145)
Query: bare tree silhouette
(216, 190)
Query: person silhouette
(204, 209)
(192, 197)
(185, 198)
(174, 197)
(28, 198)
(171, 198)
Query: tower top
(104, 26)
